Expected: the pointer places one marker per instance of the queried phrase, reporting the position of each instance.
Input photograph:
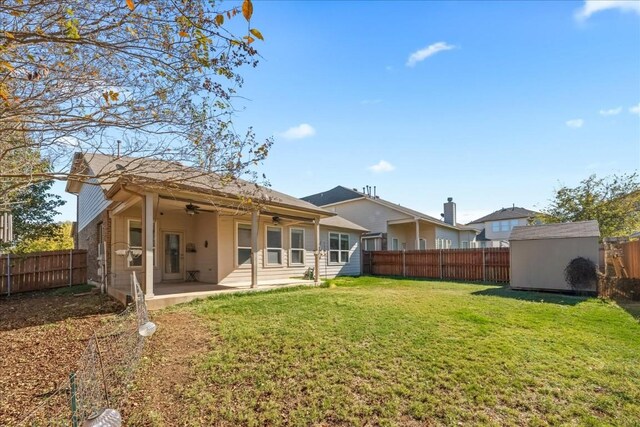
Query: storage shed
(541, 253)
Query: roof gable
(335, 195)
(506, 213)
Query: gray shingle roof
(339, 222)
(556, 231)
(335, 195)
(506, 213)
(161, 174)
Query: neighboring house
(496, 227)
(395, 227)
(172, 224)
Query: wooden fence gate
(486, 265)
(42, 270)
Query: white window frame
(267, 248)
(129, 247)
(366, 241)
(420, 241)
(291, 249)
(237, 248)
(395, 244)
(339, 251)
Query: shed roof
(565, 230)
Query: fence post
(74, 403)
(404, 263)
(370, 263)
(70, 267)
(484, 267)
(8, 274)
(441, 268)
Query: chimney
(450, 212)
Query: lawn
(372, 351)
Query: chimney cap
(449, 199)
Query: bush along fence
(100, 380)
(42, 270)
(486, 265)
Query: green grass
(393, 352)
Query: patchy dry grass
(373, 351)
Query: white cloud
(611, 112)
(301, 131)
(594, 6)
(422, 54)
(381, 166)
(575, 123)
(635, 109)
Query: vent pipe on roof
(118, 142)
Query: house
(541, 253)
(394, 227)
(182, 230)
(494, 229)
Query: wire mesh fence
(100, 379)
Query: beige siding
(368, 214)
(540, 264)
(91, 203)
(448, 234)
(228, 272)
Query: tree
(34, 209)
(613, 201)
(158, 75)
(61, 238)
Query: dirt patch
(43, 334)
(166, 370)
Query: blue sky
(501, 103)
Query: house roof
(335, 195)
(339, 222)
(162, 174)
(341, 194)
(506, 213)
(556, 231)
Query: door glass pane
(244, 256)
(296, 256)
(172, 253)
(135, 234)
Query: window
(370, 244)
(135, 243)
(274, 246)
(338, 248)
(514, 223)
(448, 242)
(423, 244)
(465, 244)
(244, 244)
(100, 240)
(394, 244)
(495, 226)
(296, 246)
(504, 226)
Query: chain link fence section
(104, 371)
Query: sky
(492, 103)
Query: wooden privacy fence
(487, 265)
(631, 258)
(42, 270)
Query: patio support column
(254, 248)
(417, 234)
(316, 251)
(147, 255)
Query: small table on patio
(192, 275)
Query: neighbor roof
(343, 194)
(339, 222)
(111, 170)
(556, 231)
(506, 213)
(335, 195)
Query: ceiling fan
(192, 209)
